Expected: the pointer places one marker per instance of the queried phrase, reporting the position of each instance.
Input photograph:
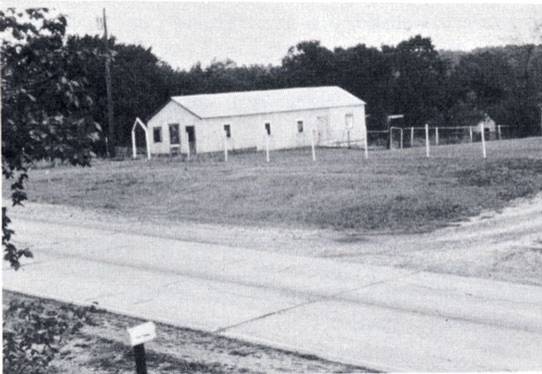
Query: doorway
(191, 136)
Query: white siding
(249, 131)
(171, 113)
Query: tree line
(413, 78)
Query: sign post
(137, 336)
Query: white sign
(141, 333)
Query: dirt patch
(100, 347)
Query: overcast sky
(182, 33)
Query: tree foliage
(46, 111)
(444, 88)
(34, 334)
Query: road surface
(386, 318)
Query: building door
(191, 136)
(322, 127)
(174, 138)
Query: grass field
(398, 190)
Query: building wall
(249, 131)
(171, 113)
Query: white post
(401, 139)
(147, 143)
(426, 140)
(134, 150)
(312, 146)
(482, 131)
(366, 145)
(391, 138)
(470, 133)
(412, 136)
(225, 149)
(499, 132)
(267, 148)
(436, 135)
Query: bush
(33, 334)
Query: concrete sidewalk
(378, 317)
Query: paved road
(378, 317)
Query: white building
(285, 118)
(488, 124)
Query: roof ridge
(263, 90)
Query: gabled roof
(267, 101)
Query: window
(174, 134)
(268, 128)
(227, 130)
(349, 121)
(157, 134)
(299, 126)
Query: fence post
(411, 136)
(267, 148)
(188, 152)
(366, 145)
(436, 135)
(401, 139)
(312, 145)
(348, 138)
(483, 137)
(390, 138)
(426, 140)
(499, 132)
(225, 149)
(470, 133)
(148, 144)
(134, 150)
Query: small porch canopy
(147, 138)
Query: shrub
(33, 334)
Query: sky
(183, 33)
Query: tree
(418, 80)
(309, 64)
(46, 112)
(366, 73)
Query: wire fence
(405, 137)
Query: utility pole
(111, 126)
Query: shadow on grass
(498, 182)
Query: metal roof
(267, 101)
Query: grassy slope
(394, 190)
